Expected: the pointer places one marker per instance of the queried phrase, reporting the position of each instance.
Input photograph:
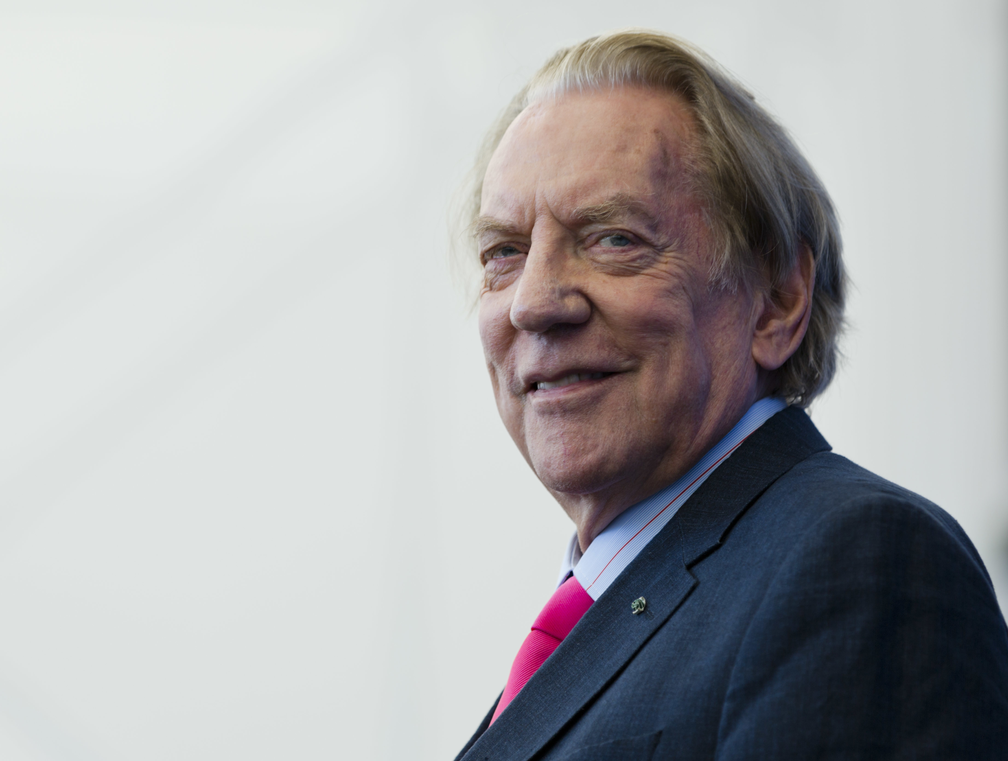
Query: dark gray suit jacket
(798, 607)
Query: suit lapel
(480, 729)
(600, 644)
(609, 634)
(773, 449)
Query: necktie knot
(563, 610)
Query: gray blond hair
(763, 200)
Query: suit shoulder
(827, 490)
(876, 628)
(832, 475)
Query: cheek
(726, 339)
(497, 335)
(659, 328)
(727, 326)
(665, 332)
(495, 327)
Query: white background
(255, 501)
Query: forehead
(585, 148)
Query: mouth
(567, 380)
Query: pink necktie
(563, 610)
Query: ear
(782, 317)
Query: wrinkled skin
(597, 261)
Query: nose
(550, 290)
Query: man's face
(615, 364)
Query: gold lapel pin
(638, 605)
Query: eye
(502, 252)
(615, 240)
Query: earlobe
(783, 315)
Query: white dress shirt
(623, 539)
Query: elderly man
(662, 294)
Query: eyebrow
(484, 225)
(619, 206)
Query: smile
(567, 380)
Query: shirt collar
(623, 539)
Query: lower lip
(570, 390)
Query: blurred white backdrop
(255, 501)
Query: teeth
(567, 380)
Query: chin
(575, 477)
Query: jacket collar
(609, 634)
